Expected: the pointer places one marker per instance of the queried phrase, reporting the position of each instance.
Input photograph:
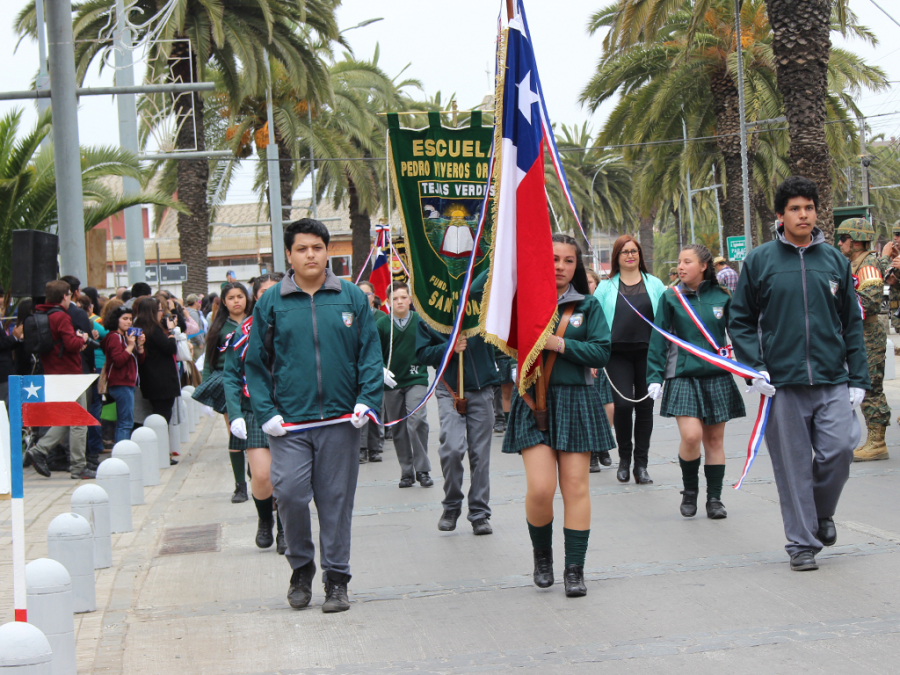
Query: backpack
(37, 336)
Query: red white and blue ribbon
(701, 326)
(731, 366)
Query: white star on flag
(32, 390)
(527, 97)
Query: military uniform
(894, 297)
(866, 269)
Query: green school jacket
(227, 329)
(588, 341)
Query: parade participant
(580, 343)
(727, 277)
(627, 367)
(314, 355)
(605, 391)
(854, 235)
(246, 434)
(371, 440)
(469, 432)
(700, 396)
(795, 319)
(406, 381)
(211, 391)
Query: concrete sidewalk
(665, 593)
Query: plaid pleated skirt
(712, 400)
(603, 387)
(211, 392)
(256, 437)
(578, 422)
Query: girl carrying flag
(700, 396)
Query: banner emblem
(348, 318)
(834, 285)
(718, 312)
(576, 320)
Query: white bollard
(174, 438)
(24, 650)
(113, 476)
(184, 430)
(130, 453)
(194, 407)
(890, 371)
(159, 426)
(146, 440)
(70, 541)
(50, 608)
(91, 502)
(186, 404)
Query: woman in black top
(159, 380)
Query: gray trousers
(811, 435)
(461, 434)
(372, 436)
(77, 441)
(320, 464)
(411, 435)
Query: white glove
(856, 397)
(358, 418)
(239, 428)
(762, 386)
(389, 378)
(273, 426)
(655, 390)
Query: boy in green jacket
(314, 357)
(406, 382)
(795, 315)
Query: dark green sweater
(218, 361)
(406, 368)
(587, 341)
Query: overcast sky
(450, 48)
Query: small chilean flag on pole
(50, 401)
(518, 309)
(381, 270)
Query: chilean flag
(380, 278)
(50, 401)
(518, 310)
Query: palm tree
(28, 183)
(234, 36)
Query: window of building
(341, 265)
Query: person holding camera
(158, 372)
(123, 347)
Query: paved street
(665, 593)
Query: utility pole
(66, 151)
(128, 140)
(275, 214)
(690, 193)
(864, 160)
(742, 114)
(43, 78)
(312, 160)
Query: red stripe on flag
(59, 414)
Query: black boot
(689, 503)
(573, 577)
(622, 474)
(641, 477)
(374, 456)
(543, 567)
(240, 493)
(264, 533)
(300, 591)
(595, 462)
(336, 599)
(363, 456)
(424, 479)
(447, 523)
(280, 543)
(605, 459)
(715, 509)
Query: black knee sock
(576, 545)
(237, 466)
(690, 474)
(278, 522)
(263, 508)
(541, 537)
(715, 476)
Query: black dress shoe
(447, 523)
(336, 599)
(543, 567)
(264, 533)
(622, 473)
(406, 481)
(573, 577)
(373, 457)
(827, 533)
(689, 503)
(482, 526)
(605, 459)
(240, 493)
(39, 462)
(805, 561)
(363, 456)
(300, 591)
(86, 474)
(280, 543)
(641, 477)
(715, 509)
(595, 462)
(424, 479)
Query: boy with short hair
(410, 382)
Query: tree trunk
(646, 236)
(192, 176)
(766, 215)
(286, 177)
(361, 227)
(801, 44)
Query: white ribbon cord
(630, 400)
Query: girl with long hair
(576, 423)
(124, 351)
(246, 434)
(159, 381)
(627, 367)
(701, 397)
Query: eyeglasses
(369, 293)
(631, 251)
(844, 238)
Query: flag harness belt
(539, 409)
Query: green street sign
(737, 248)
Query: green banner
(440, 180)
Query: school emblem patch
(718, 312)
(834, 287)
(348, 318)
(576, 320)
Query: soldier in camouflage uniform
(891, 261)
(854, 236)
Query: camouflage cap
(896, 228)
(859, 229)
